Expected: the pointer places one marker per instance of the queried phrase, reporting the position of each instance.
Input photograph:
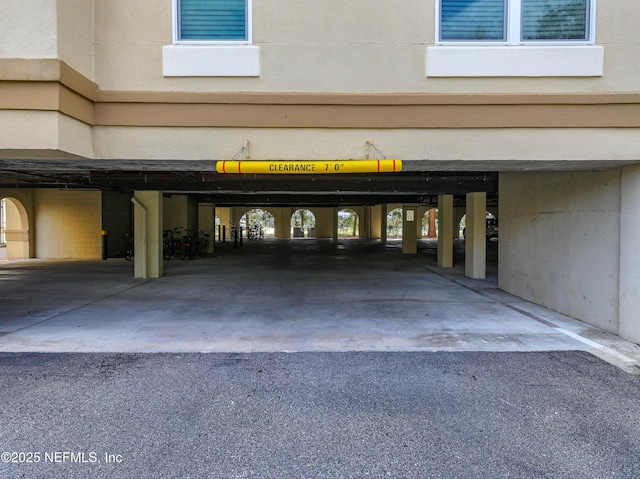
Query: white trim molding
(515, 61)
(210, 61)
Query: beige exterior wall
(337, 46)
(25, 35)
(560, 242)
(44, 134)
(68, 223)
(412, 144)
(18, 128)
(75, 34)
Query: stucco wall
(25, 35)
(68, 223)
(407, 144)
(45, 131)
(337, 46)
(560, 242)
(75, 35)
(630, 254)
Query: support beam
(148, 216)
(445, 231)
(476, 236)
(383, 223)
(409, 230)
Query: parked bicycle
(171, 245)
(255, 232)
(187, 246)
(202, 243)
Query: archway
(348, 224)
(492, 226)
(258, 221)
(394, 224)
(15, 228)
(303, 224)
(430, 224)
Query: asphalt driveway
(318, 415)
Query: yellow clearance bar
(300, 167)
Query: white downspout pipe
(145, 235)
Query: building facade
(527, 109)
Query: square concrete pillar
(445, 231)
(375, 221)
(476, 236)
(207, 222)
(383, 223)
(629, 299)
(409, 230)
(147, 233)
(365, 223)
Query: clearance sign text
(300, 167)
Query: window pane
(213, 20)
(472, 19)
(555, 19)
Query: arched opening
(348, 224)
(430, 224)
(15, 229)
(258, 224)
(394, 224)
(303, 224)
(492, 226)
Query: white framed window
(211, 38)
(515, 22)
(515, 38)
(212, 21)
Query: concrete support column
(334, 232)
(147, 232)
(629, 282)
(409, 230)
(374, 221)
(207, 222)
(476, 237)
(383, 223)
(365, 223)
(445, 231)
(282, 226)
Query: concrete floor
(283, 295)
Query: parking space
(283, 295)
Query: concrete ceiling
(419, 182)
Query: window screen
(212, 20)
(555, 19)
(472, 19)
